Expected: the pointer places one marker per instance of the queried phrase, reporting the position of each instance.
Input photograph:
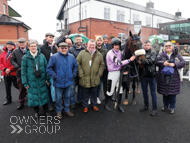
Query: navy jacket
(74, 50)
(63, 69)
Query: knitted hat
(105, 36)
(11, 43)
(98, 37)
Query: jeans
(87, 92)
(73, 86)
(169, 100)
(152, 84)
(59, 95)
(8, 83)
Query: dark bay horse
(131, 70)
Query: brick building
(11, 28)
(98, 17)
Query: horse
(130, 71)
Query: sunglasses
(64, 48)
(168, 45)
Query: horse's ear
(129, 42)
(131, 35)
(139, 32)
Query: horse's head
(134, 44)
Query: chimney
(150, 4)
(178, 13)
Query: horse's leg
(129, 86)
(133, 86)
(138, 88)
(125, 102)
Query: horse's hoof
(125, 102)
(134, 103)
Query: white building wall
(95, 9)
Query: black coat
(16, 59)
(46, 50)
(108, 45)
(149, 65)
(61, 40)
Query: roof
(141, 8)
(13, 13)
(129, 5)
(7, 20)
(59, 15)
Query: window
(5, 9)
(148, 21)
(135, 17)
(107, 13)
(121, 16)
(158, 22)
(85, 11)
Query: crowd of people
(50, 74)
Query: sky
(40, 15)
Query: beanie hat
(105, 36)
(98, 37)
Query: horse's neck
(127, 52)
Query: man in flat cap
(16, 60)
(8, 70)
(48, 49)
(185, 51)
(105, 43)
(62, 68)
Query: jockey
(114, 64)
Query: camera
(37, 73)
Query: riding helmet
(116, 41)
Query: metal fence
(185, 71)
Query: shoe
(98, 100)
(144, 108)
(69, 113)
(107, 107)
(47, 113)
(36, 115)
(95, 108)
(125, 102)
(153, 113)
(20, 106)
(164, 109)
(51, 108)
(59, 116)
(7, 102)
(120, 109)
(171, 111)
(85, 110)
(73, 106)
(89, 101)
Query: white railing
(187, 76)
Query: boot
(106, 103)
(138, 90)
(119, 103)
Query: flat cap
(63, 44)
(49, 34)
(11, 43)
(21, 40)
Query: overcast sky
(40, 15)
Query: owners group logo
(29, 125)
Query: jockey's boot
(119, 103)
(138, 90)
(106, 103)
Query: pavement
(132, 126)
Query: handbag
(167, 70)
